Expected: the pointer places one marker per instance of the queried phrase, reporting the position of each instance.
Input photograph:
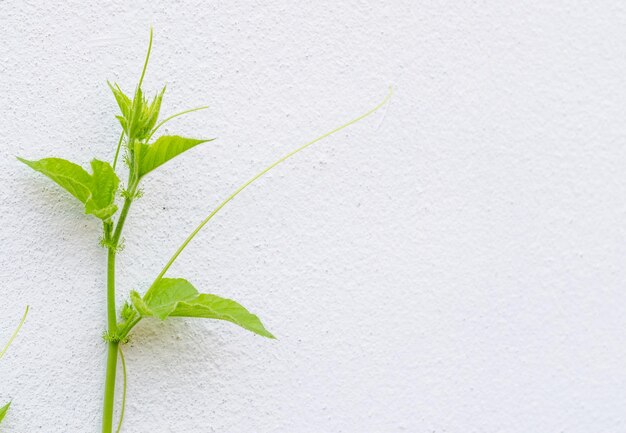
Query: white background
(454, 263)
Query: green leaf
(123, 101)
(150, 115)
(70, 176)
(165, 148)
(138, 115)
(139, 304)
(134, 116)
(162, 298)
(123, 123)
(176, 297)
(3, 411)
(215, 307)
(103, 188)
(96, 192)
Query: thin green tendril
(14, 333)
(271, 166)
(163, 122)
(123, 409)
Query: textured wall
(453, 264)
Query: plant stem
(109, 387)
(112, 239)
(113, 345)
(111, 314)
(123, 214)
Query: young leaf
(176, 297)
(96, 192)
(165, 148)
(123, 123)
(134, 118)
(150, 115)
(123, 101)
(104, 183)
(162, 298)
(3, 410)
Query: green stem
(123, 215)
(113, 238)
(109, 387)
(111, 314)
(123, 333)
(113, 345)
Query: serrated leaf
(163, 149)
(96, 192)
(150, 115)
(134, 117)
(123, 123)
(3, 410)
(122, 100)
(176, 297)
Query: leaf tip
(263, 332)
(25, 161)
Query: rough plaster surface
(453, 264)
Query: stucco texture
(454, 263)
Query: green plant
(166, 297)
(4, 409)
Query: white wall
(453, 264)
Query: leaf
(123, 123)
(176, 297)
(70, 176)
(165, 148)
(138, 115)
(135, 113)
(150, 115)
(161, 299)
(123, 101)
(104, 186)
(96, 192)
(3, 410)
(215, 307)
